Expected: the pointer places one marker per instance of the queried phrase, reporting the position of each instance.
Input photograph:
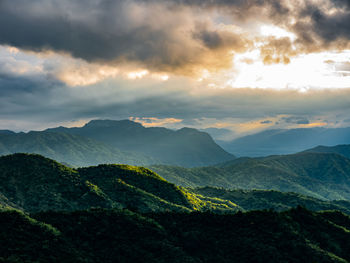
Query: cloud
(296, 120)
(129, 58)
(44, 99)
(266, 122)
(149, 34)
(183, 36)
(156, 122)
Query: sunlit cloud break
(237, 63)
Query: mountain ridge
(322, 175)
(186, 147)
(285, 141)
(34, 183)
(68, 148)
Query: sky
(241, 65)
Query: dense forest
(120, 213)
(296, 235)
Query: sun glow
(303, 73)
(137, 74)
(270, 30)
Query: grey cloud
(296, 120)
(144, 32)
(266, 122)
(42, 99)
(169, 35)
(322, 30)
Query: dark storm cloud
(163, 35)
(25, 96)
(168, 35)
(144, 32)
(322, 29)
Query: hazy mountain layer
(321, 175)
(71, 149)
(339, 149)
(281, 141)
(185, 147)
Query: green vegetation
(24, 239)
(72, 149)
(34, 183)
(296, 235)
(270, 199)
(343, 150)
(321, 175)
(121, 213)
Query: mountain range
(53, 213)
(322, 175)
(343, 149)
(70, 149)
(285, 141)
(33, 183)
(186, 147)
(107, 141)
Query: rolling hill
(53, 213)
(35, 183)
(270, 199)
(321, 175)
(285, 141)
(186, 147)
(343, 149)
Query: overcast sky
(241, 65)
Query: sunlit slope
(270, 199)
(35, 183)
(321, 175)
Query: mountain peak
(188, 130)
(6, 132)
(111, 123)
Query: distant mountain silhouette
(283, 141)
(343, 149)
(6, 132)
(186, 147)
(71, 149)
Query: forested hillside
(321, 175)
(296, 236)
